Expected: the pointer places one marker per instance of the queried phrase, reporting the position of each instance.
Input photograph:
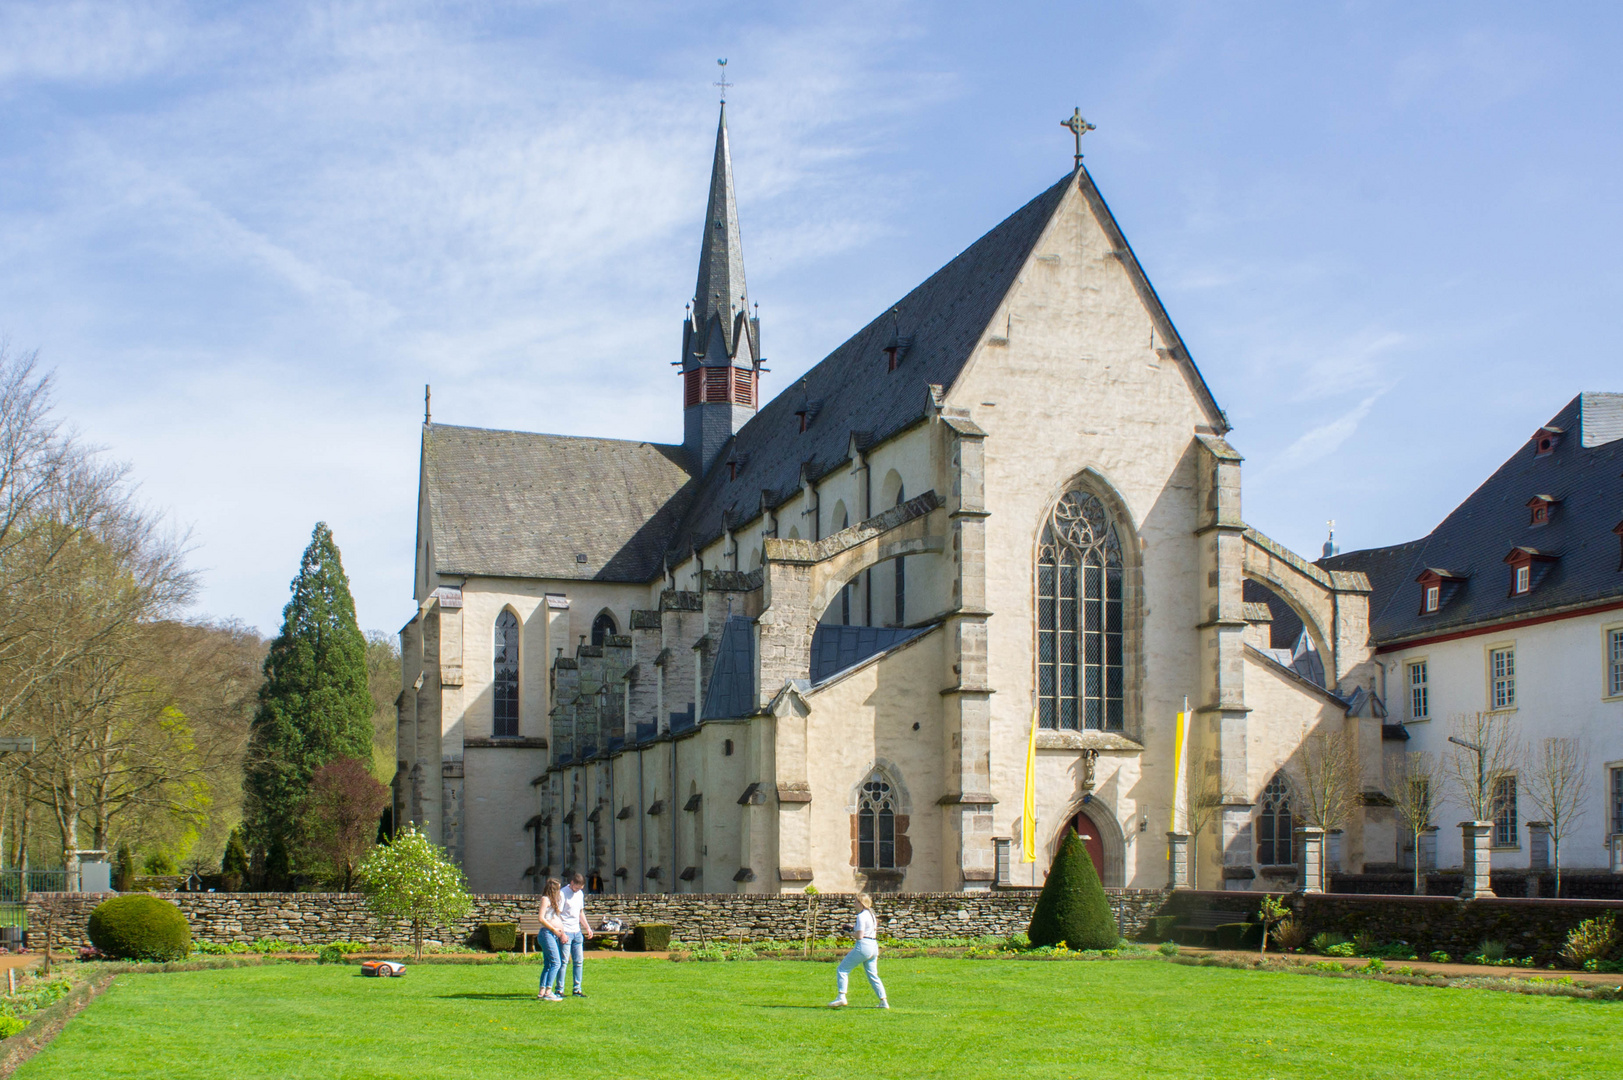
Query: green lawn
(999, 1019)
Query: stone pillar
(1476, 838)
(1178, 860)
(1219, 740)
(1309, 859)
(1538, 846)
(967, 816)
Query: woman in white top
(552, 939)
(864, 951)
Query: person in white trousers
(864, 951)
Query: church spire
(721, 293)
(721, 341)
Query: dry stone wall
(315, 918)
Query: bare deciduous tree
(1416, 792)
(1558, 784)
(1484, 746)
(1205, 805)
(1325, 776)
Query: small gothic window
(603, 627)
(1274, 824)
(1079, 618)
(876, 825)
(505, 676)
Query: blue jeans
(573, 951)
(551, 948)
(866, 953)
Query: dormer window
(1546, 439)
(1527, 565)
(1539, 508)
(1436, 586)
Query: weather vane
(1079, 127)
(724, 84)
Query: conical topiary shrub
(1073, 907)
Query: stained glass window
(505, 676)
(1079, 618)
(1275, 824)
(876, 825)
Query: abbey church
(807, 645)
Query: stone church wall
(317, 918)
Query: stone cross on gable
(1079, 127)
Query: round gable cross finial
(1079, 127)
(723, 84)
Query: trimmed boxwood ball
(1072, 906)
(140, 927)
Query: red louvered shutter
(744, 387)
(716, 383)
(690, 388)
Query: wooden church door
(1089, 832)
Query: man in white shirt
(574, 913)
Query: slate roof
(731, 692)
(837, 648)
(517, 504)
(852, 388)
(1585, 473)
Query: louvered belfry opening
(724, 385)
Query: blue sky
(245, 235)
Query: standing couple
(564, 931)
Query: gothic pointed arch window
(876, 824)
(1079, 618)
(1275, 824)
(504, 676)
(603, 627)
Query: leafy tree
(234, 863)
(383, 679)
(341, 819)
(1072, 906)
(314, 705)
(410, 880)
(124, 869)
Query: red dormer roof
(1545, 439)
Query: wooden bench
(530, 926)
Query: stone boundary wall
(1518, 882)
(1536, 928)
(317, 918)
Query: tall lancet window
(1079, 618)
(505, 677)
(876, 825)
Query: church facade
(807, 646)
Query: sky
(245, 235)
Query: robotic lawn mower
(383, 969)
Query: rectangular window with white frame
(1419, 692)
(1502, 678)
(1523, 577)
(1504, 811)
(1614, 661)
(1617, 800)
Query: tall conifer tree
(314, 705)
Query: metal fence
(15, 885)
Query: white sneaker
(883, 1004)
(837, 1003)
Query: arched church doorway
(1091, 839)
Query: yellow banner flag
(1180, 789)
(1028, 815)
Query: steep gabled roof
(517, 504)
(1584, 474)
(851, 389)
